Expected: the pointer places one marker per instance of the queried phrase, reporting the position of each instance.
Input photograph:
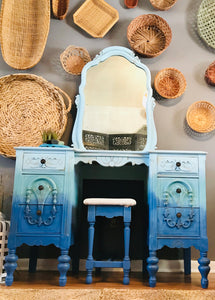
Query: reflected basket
(170, 83)
(149, 35)
(201, 116)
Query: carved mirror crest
(115, 104)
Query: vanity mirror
(115, 104)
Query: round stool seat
(110, 201)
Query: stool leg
(89, 262)
(10, 265)
(126, 261)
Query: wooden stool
(109, 208)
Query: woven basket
(131, 3)
(162, 4)
(170, 83)
(29, 105)
(149, 35)
(210, 74)
(96, 17)
(24, 31)
(73, 59)
(201, 116)
(60, 8)
(206, 22)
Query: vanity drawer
(43, 161)
(178, 222)
(178, 164)
(178, 192)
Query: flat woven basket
(24, 31)
(162, 4)
(74, 58)
(149, 35)
(60, 8)
(29, 105)
(210, 74)
(206, 22)
(201, 116)
(170, 83)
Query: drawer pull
(40, 187)
(178, 190)
(43, 161)
(39, 213)
(178, 164)
(178, 215)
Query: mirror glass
(115, 106)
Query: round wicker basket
(210, 74)
(201, 116)
(162, 4)
(73, 59)
(29, 105)
(149, 35)
(170, 83)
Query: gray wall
(186, 52)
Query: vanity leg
(126, 261)
(89, 262)
(10, 265)
(204, 268)
(33, 259)
(63, 266)
(152, 268)
(187, 261)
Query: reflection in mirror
(115, 106)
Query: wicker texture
(170, 83)
(149, 35)
(210, 74)
(201, 116)
(24, 31)
(29, 105)
(60, 8)
(162, 4)
(4, 232)
(96, 17)
(73, 59)
(206, 22)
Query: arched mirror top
(115, 104)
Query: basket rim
(176, 71)
(190, 108)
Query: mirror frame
(80, 99)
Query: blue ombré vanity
(114, 127)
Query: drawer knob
(178, 215)
(40, 187)
(43, 161)
(178, 190)
(39, 213)
(178, 164)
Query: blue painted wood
(177, 208)
(108, 211)
(187, 261)
(43, 198)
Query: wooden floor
(49, 280)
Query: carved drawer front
(179, 221)
(177, 164)
(43, 161)
(178, 192)
(41, 205)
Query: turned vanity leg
(152, 267)
(63, 266)
(126, 261)
(10, 266)
(204, 269)
(89, 262)
(187, 261)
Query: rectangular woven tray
(96, 17)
